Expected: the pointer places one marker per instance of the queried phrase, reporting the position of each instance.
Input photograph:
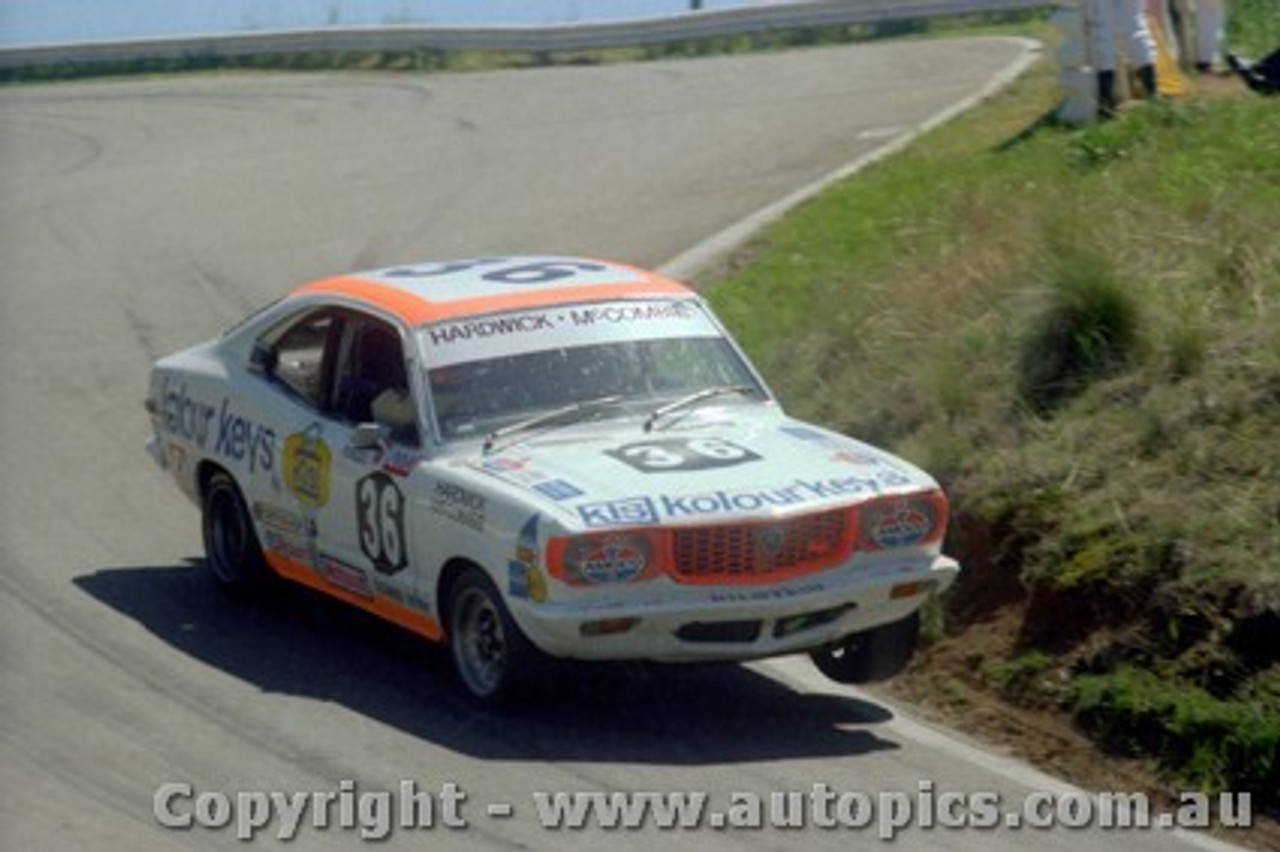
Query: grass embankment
(1078, 333)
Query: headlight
(614, 557)
(913, 520)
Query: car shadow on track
(301, 643)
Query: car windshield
(646, 354)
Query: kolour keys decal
(233, 435)
(682, 454)
(184, 415)
(640, 510)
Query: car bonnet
(708, 469)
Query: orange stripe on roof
(398, 301)
(416, 310)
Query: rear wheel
(490, 654)
(231, 546)
(872, 655)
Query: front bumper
(737, 622)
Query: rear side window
(296, 358)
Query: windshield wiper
(569, 414)
(693, 399)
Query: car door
(367, 446)
(334, 514)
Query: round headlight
(605, 558)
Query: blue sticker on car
(558, 489)
(632, 511)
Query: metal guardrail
(692, 26)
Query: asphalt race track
(138, 216)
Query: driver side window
(373, 382)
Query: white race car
(531, 456)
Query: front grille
(762, 552)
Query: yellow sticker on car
(306, 466)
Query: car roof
(442, 290)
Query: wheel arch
(249, 571)
(450, 572)
(206, 470)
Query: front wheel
(490, 654)
(231, 545)
(872, 655)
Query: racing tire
(870, 656)
(491, 655)
(231, 546)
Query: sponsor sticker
(514, 470)
(400, 461)
(241, 439)
(345, 576)
(524, 575)
(505, 464)
(768, 593)
(721, 502)
(307, 462)
(184, 415)
(853, 457)
(459, 504)
(287, 546)
(558, 489)
(283, 520)
(632, 511)
(518, 332)
(453, 332)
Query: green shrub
(1019, 678)
(1085, 327)
(1210, 742)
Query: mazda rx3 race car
(536, 456)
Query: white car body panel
(380, 529)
